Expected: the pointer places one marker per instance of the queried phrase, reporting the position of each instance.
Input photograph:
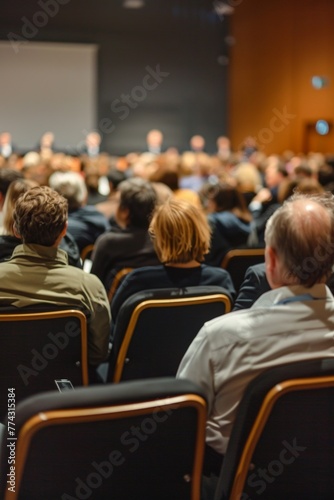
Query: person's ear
(122, 216)
(271, 267)
(16, 233)
(64, 231)
(61, 235)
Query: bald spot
(310, 217)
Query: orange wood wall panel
(280, 45)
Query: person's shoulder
(113, 234)
(229, 328)
(214, 271)
(145, 272)
(91, 281)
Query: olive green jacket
(37, 275)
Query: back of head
(139, 198)
(115, 177)
(301, 232)
(40, 215)
(15, 189)
(224, 196)
(72, 186)
(181, 232)
(248, 177)
(8, 175)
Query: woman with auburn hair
(181, 238)
(8, 239)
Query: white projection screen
(48, 87)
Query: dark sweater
(162, 276)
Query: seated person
(8, 240)
(129, 243)
(292, 322)
(181, 237)
(255, 284)
(38, 272)
(109, 206)
(7, 175)
(229, 219)
(85, 223)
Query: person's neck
(192, 263)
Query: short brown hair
(40, 215)
(181, 232)
(139, 198)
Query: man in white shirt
(292, 322)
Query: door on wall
(319, 137)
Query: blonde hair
(16, 188)
(180, 232)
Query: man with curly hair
(38, 271)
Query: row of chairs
(145, 439)
(153, 331)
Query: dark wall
(182, 38)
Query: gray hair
(70, 185)
(304, 239)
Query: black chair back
(154, 328)
(282, 443)
(39, 347)
(238, 260)
(142, 439)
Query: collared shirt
(231, 350)
(37, 274)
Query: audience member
(38, 272)
(35, 168)
(92, 178)
(168, 173)
(7, 175)
(254, 285)
(181, 238)
(229, 218)
(85, 223)
(109, 206)
(129, 244)
(292, 322)
(8, 240)
(248, 180)
(285, 189)
(200, 173)
(275, 172)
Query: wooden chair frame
(99, 413)
(38, 316)
(241, 252)
(86, 251)
(272, 396)
(117, 281)
(179, 302)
